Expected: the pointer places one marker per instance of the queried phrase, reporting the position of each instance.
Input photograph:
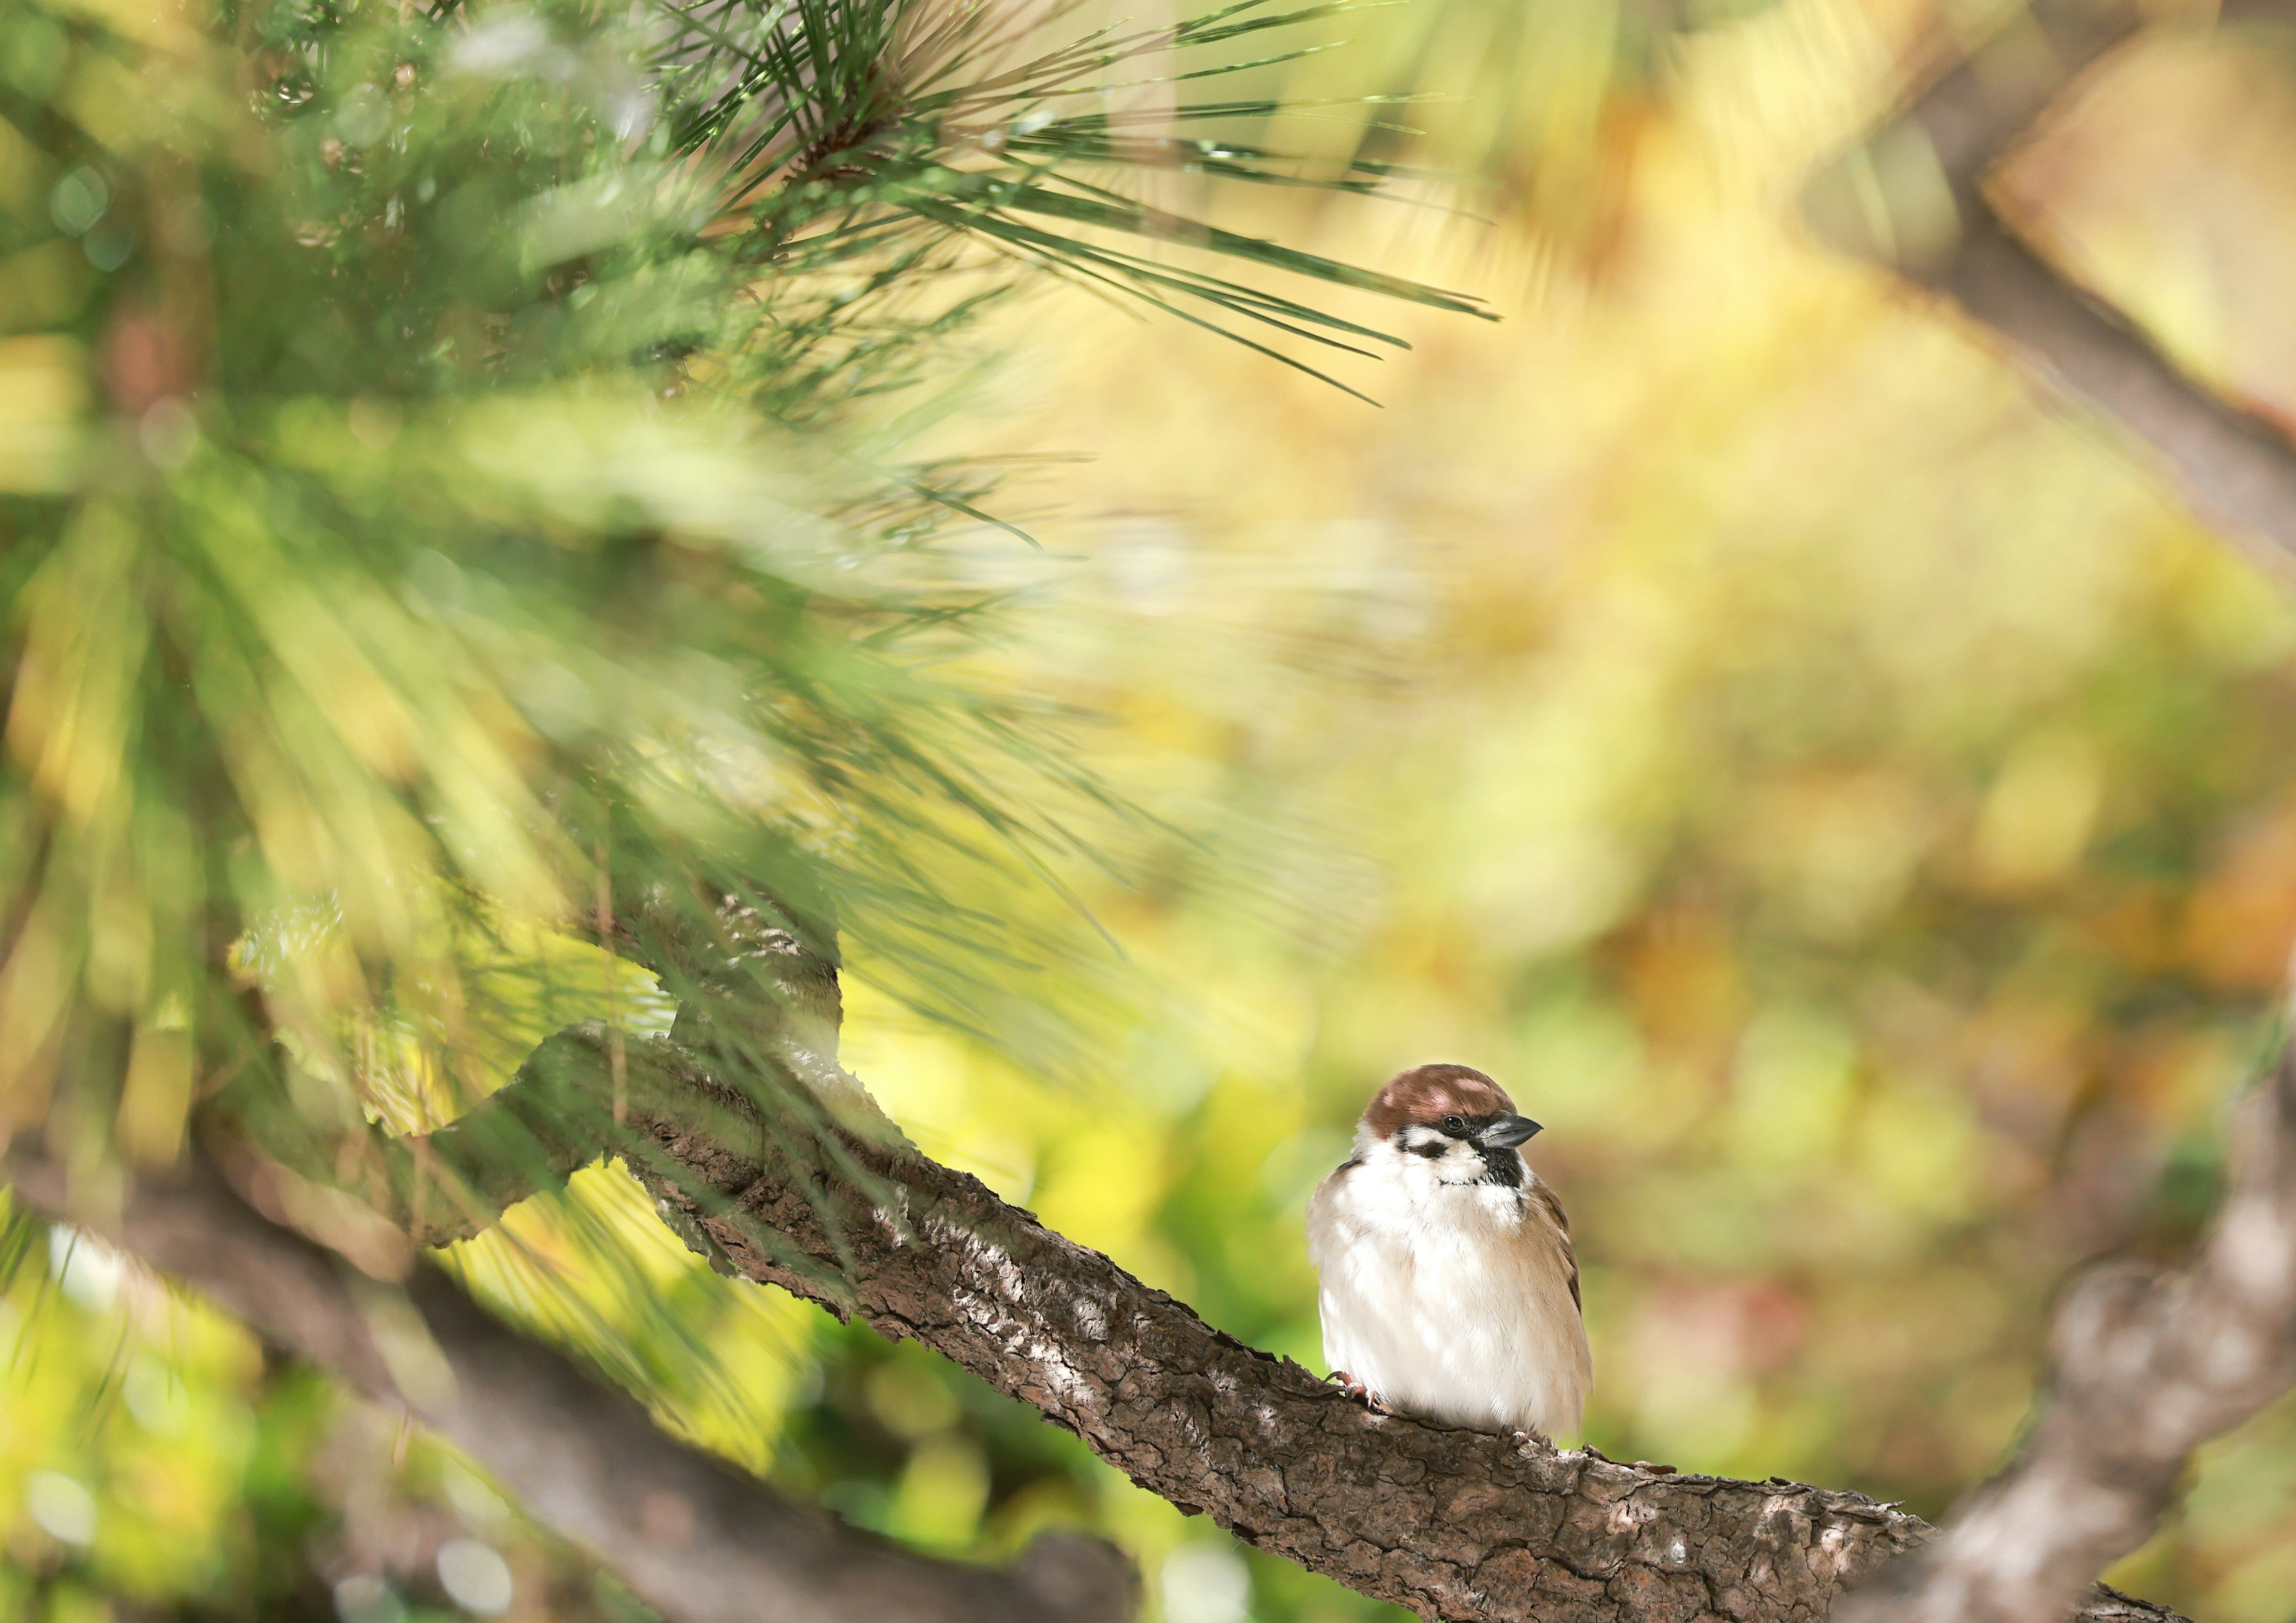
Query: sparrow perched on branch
(1448, 1285)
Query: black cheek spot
(1433, 1153)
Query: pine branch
(1459, 1525)
(466, 508)
(845, 131)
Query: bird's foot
(1352, 1388)
(1539, 1438)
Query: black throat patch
(1501, 1167)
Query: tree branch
(1455, 1524)
(694, 1539)
(2146, 1368)
(2236, 470)
(832, 1203)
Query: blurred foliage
(1849, 804)
(1541, 111)
(176, 1472)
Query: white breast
(1450, 1301)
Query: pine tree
(480, 662)
(442, 511)
(471, 615)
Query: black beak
(1507, 1132)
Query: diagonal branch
(694, 1539)
(1455, 1524)
(2238, 472)
(2146, 1368)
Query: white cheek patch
(1448, 1159)
(1461, 1163)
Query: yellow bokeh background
(1837, 787)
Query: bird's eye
(1456, 1126)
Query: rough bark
(816, 1192)
(1454, 1523)
(694, 1539)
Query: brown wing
(1553, 1206)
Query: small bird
(1449, 1289)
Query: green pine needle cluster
(442, 525)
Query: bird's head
(1453, 1120)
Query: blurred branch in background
(1925, 194)
(689, 1535)
(2146, 1367)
